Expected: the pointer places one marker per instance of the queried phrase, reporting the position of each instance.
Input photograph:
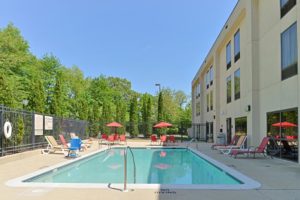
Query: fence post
(33, 131)
(1, 129)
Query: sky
(144, 41)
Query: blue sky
(144, 41)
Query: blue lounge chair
(74, 148)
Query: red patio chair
(258, 150)
(104, 136)
(153, 139)
(63, 141)
(233, 142)
(111, 139)
(172, 139)
(163, 139)
(123, 139)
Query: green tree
(57, 103)
(20, 130)
(6, 94)
(121, 114)
(160, 107)
(50, 65)
(106, 116)
(133, 117)
(94, 119)
(36, 96)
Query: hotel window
(237, 53)
(211, 75)
(237, 84)
(211, 100)
(228, 55)
(289, 52)
(283, 140)
(207, 102)
(198, 109)
(207, 79)
(228, 82)
(286, 6)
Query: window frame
(228, 51)
(228, 95)
(237, 55)
(285, 8)
(211, 100)
(237, 95)
(207, 81)
(291, 69)
(207, 102)
(211, 75)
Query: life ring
(7, 129)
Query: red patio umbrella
(162, 125)
(114, 124)
(284, 124)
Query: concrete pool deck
(279, 179)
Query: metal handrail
(125, 168)
(190, 142)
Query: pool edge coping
(247, 182)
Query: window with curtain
(228, 82)
(286, 6)
(289, 52)
(228, 55)
(237, 53)
(237, 84)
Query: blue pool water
(153, 166)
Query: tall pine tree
(133, 117)
(160, 108)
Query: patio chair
(172, 139)
(53, 146)
(74, 148)
(163, 139)
(251, 150)
(116, 137)
(239, 145)
(63, 141)
(111, 139)
(289, 150)
(153, 139)
(232, 142)
(123, 139)
(84, 143)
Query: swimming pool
(155, 167)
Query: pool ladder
(191, 141)
(125, 168)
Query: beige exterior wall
(260, 28)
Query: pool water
(153, 166)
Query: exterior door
(228, 130)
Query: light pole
(158, 85)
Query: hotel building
(249, 80)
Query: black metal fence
(24, 135)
